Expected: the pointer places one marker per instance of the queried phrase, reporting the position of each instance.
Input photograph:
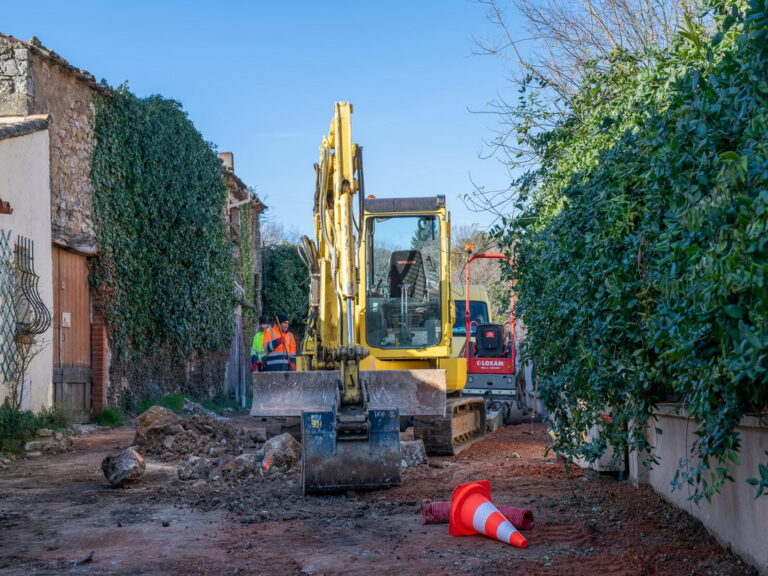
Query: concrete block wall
(734, 516)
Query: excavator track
(462, 425)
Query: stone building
(36, 81)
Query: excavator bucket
(334, 459)
(333, 464)
(277, 394)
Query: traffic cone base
(472, 512)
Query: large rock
(125, 468)
(154, 424)
(281, 451)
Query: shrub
(55, 417)
(111, 416)
(15, 427)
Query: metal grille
(32, 314)
(7, 308)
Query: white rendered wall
(25, 184)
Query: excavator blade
(335, 464)
(278, 394)
(412, 392)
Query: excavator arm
(337, 168)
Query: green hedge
(642, 245)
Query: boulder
(154, 424)
(282, 451)
(126, 467)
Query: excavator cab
(402, 252)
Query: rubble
(163, 434)
(281, 451)
(190, 407)
(224, 468)
(413, 453)
(125, 468)
(235, 468)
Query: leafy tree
(286, 285)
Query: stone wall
(35, 80)
(15, 81)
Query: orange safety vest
(279, 358)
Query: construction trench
(212, 500)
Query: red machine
(491, 360)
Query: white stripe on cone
(483, 512)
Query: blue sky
(259, 79)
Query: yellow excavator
(377, 347)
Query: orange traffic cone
(472, 512)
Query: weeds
(111, 417)
(17, 426)
(176, 403)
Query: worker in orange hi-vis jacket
(280, 346)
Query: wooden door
(71, 332)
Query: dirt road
(59, 515)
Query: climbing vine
(245, 272)
(164, 268)
(641, 245)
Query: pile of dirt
(168, 437)
(222, 466)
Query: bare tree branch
(560, 43)
(561, 38)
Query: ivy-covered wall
(164, 268)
